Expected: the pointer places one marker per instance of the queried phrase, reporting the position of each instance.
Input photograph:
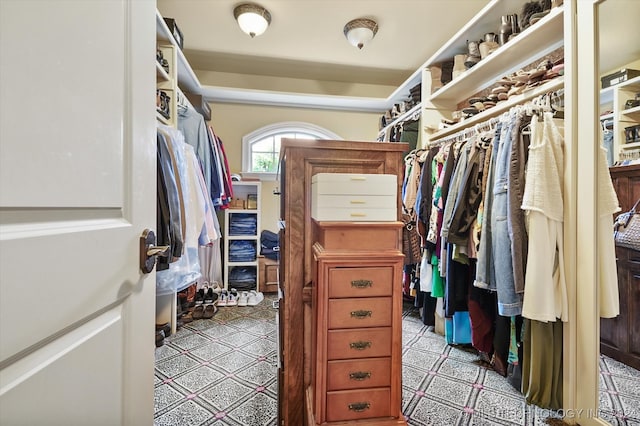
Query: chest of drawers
(357, 316)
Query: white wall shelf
(187, 79)
(552, 85)
(614, 98)
(241, 191)
(535, 41)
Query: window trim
(271, 129)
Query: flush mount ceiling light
(253, 19)
(360, 31)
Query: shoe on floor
(232, 299)
(222, 300)
(210, 297)
(198, 312)
(255, 297)
(209, 311)
(243, 298)
(216, 287)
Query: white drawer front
(355, 201)
(354, 184)
(388, 214)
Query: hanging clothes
(545, 296)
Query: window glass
(261, 148)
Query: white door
(77, 188)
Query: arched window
(261, 148)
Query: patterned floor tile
(186, 414)
(221, 372)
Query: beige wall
(232, 121)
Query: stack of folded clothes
(243, 278)
(242, 251)
(243, 224)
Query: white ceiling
(305, 39)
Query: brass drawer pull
(358, 215)
(360, 314)
(359, 406)
(360, 345)
(361, 283)
(358, 202)
(360, 375)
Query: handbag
(626, 228)
(410, 241)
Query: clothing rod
(183, 100)
(554, 85)
(467, 132)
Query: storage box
(618, 77)
(200, 104)
(354, 197)
(237, 203)
(252, 201)
(175, 31)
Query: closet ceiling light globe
(360, 31)
(253, 19)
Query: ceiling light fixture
(253, 19)
(360, 31)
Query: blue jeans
(485, 273)
(509, 302)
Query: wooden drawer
(360, 282)
(360, 312)
(358, 374)
(359, 343)
(379, 236)
(358, 404)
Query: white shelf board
(161, 74)
(187, 79)
(606, 117)
(254, 263)
(534, 42)
(606, 95)
(630, 145)
(243, 237)
(554, 84)
(631, 111)
(631, 84)
(161, 118)
(401, 117)
(485, 21)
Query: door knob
(149, 251)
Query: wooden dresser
(357, 306)
(300, 160)
(619, 337)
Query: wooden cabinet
(619, 337)
(268, 275)
(299, 161)
(357, 319)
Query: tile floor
(222, 372)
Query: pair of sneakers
(228, 298)
(205, 304)
(250, 298)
